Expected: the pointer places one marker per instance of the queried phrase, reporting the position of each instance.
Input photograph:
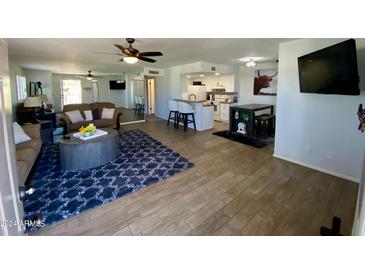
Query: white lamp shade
(43, 97)
(32, 102)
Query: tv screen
(117, 84)
(332, 70)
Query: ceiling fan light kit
(131, 55)
(130, 60)
(89, 76)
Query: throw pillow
(19, 135)
(88, 115)
(96, 113)
(107, 113)
(75, 116)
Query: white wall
(14, 70)
(247, 82)
(10, 207)
(43, 76)
(313, 128)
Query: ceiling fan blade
(150, 53)
(146, 59)
(96, 52)
(124, 50)
(79, 76)
(98, 77)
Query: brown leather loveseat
(96, 109)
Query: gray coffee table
(76, 154)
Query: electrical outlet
(330, 156)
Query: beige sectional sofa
(27, 152)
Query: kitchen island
(204, 114)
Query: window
(70, 92)
(21, 87)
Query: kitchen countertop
(204, 102)
(222, 92)
(190, 101)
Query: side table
(46, 131)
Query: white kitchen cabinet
(225, 112)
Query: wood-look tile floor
(233, 189)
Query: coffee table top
(76, 141)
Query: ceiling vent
(154, 72)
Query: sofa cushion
(75, 116)
(76, 126)
(96, 113)
(22, 169)
(107, 113)
(88, 115)
(28, 155)
(19, 135)
(104, 123)
(35, 144)
(80, 107)
(102, 105)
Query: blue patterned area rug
(60, 194)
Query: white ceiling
(77, 55)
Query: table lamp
(35, 103)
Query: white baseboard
(330, 172)
(160, 117)
(132, 122)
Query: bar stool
(185, 110)
(141, 104)
(265, 124)
(136, 103)
(174, 109)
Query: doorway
(95, 91)
(151, 96)
(135, 110)
(71, 92)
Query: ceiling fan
(131, 55)
(88, 76)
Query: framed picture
(265, 82)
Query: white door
(95, 92)
(11, 209)
(359, 220)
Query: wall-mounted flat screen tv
(117, 85)
(332, 70)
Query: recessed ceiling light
(201, 75)
(188, 76)
(217, 73)
(251, 64)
